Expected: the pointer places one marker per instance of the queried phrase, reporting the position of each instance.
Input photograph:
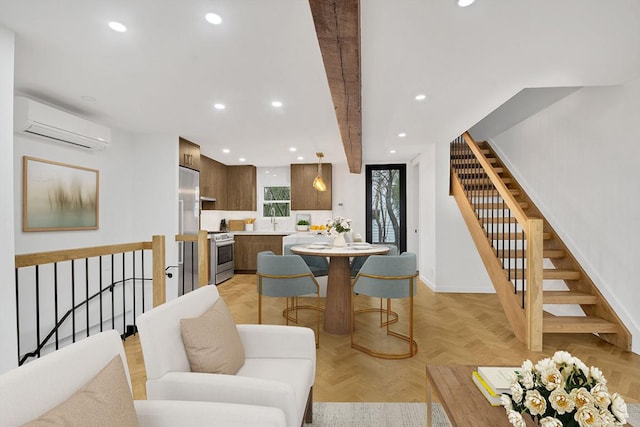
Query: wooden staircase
(522, 253)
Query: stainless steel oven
(221, 262)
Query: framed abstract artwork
(58, 196)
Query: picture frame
(58, 196)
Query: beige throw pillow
(212, 341)
(104, 401)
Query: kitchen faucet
(272, 212)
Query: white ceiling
(165, 73)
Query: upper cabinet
(189, 154)
(241, 188)
(303, 195)
(213, 183)
(233, 187)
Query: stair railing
(96, 288)
(510, 242)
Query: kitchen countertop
(263, 233)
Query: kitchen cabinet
(241, 188)
(303, 195)
(189, 154)
(213, 183)
(246, 250)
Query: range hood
(207, 199)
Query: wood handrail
(39, 258)
(509, 199)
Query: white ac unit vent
(39, 119)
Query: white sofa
(29, 391)
(279, 367)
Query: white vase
(339, 240)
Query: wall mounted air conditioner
(39, 119)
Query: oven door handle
(225, 243)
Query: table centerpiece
(337, 227)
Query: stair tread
(459, 168)
(568, 297)
(576, 324)
(515, 236)
(549, 274)
(498, 219)
(495, 205)
(517, 253)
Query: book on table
(493, 398)
(498, 378)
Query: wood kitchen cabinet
(189, 154)
(213, 183)
(246, 250)
(241, 188)
(303, 195)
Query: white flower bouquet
(339, 225)
(563, 391)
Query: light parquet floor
(468, 329)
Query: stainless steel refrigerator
(189, 223)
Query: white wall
(349, 198)
(578, 161)
(8, 335)
(458, 267)
(115, 167)
(154, 196)
(427, 215)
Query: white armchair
(278, 371)
(33, 389)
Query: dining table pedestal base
(337, 315)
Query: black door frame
(402, 167)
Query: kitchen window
(277, 198)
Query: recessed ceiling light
(402, 134)
(392, 151)
(276, 104)
(213, 18)
(219, 106)
(421, 97)
(292, 149)
(300, 158)
(267, 171)
(465, 3)
(242, 159)
(226, 150)
(117, 26)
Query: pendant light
(318, 182)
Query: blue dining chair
(386, 277)
(290, 277)
(318, 265)
(358, 261)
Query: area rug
(384, 414)
(367, 414)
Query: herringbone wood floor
(449, 328)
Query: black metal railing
(95, 292)
(505, 234)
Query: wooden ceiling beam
(337, 25)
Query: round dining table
(337, 317)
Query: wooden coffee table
(461, 400)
